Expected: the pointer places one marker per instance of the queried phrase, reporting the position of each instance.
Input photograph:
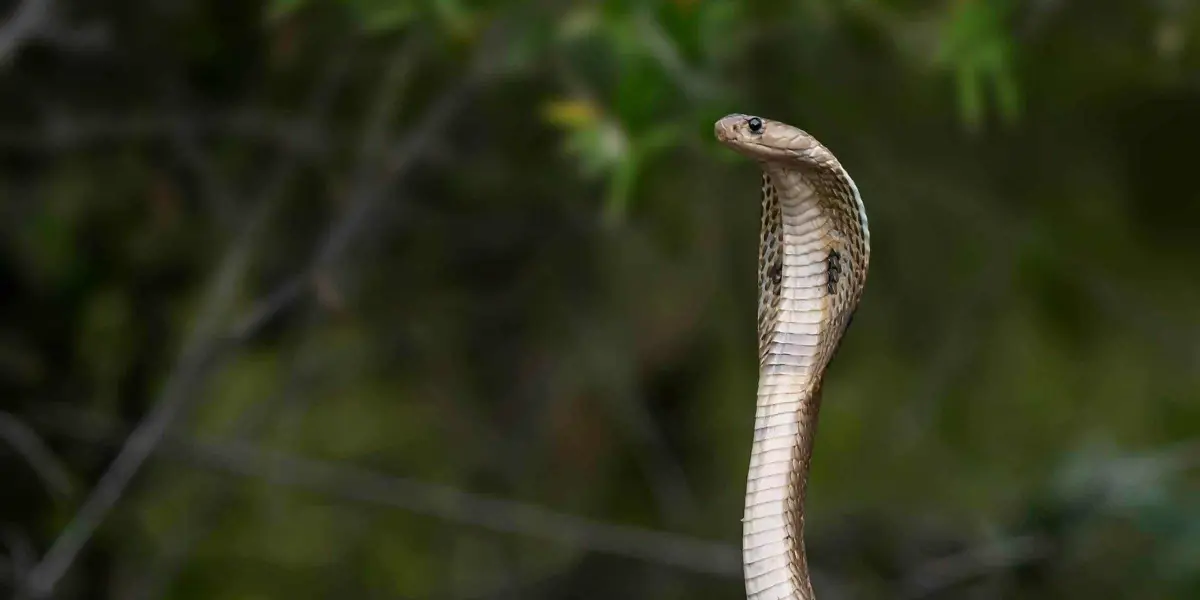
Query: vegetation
(449, 299)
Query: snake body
(812, 265)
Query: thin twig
(21, 555)
(61, 132)
(182, 383)
(972, 563)
(208, 507)
(24, 24)
(262, 311)
(205, 509)
(454, 505)
(348, 482)
(40, 457)
(213, 187)
(369, 185)
(369, 189)
(400, 158)
(374, 136)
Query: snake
(814, 249)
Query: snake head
(767, 140)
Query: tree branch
(201, 347)
(24, 25)
(350, 483)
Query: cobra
(813, 254)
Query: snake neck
(813, 256)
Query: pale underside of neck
(787, 406)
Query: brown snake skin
(812, 266)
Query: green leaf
(975, 46)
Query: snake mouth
(728, 129)
(724, 130)
(760, 151)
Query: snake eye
(755, 124)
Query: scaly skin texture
(812, 266)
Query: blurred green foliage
(540, 288)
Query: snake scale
(812, 265)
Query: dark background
(449, 299)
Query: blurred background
(450, 299)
